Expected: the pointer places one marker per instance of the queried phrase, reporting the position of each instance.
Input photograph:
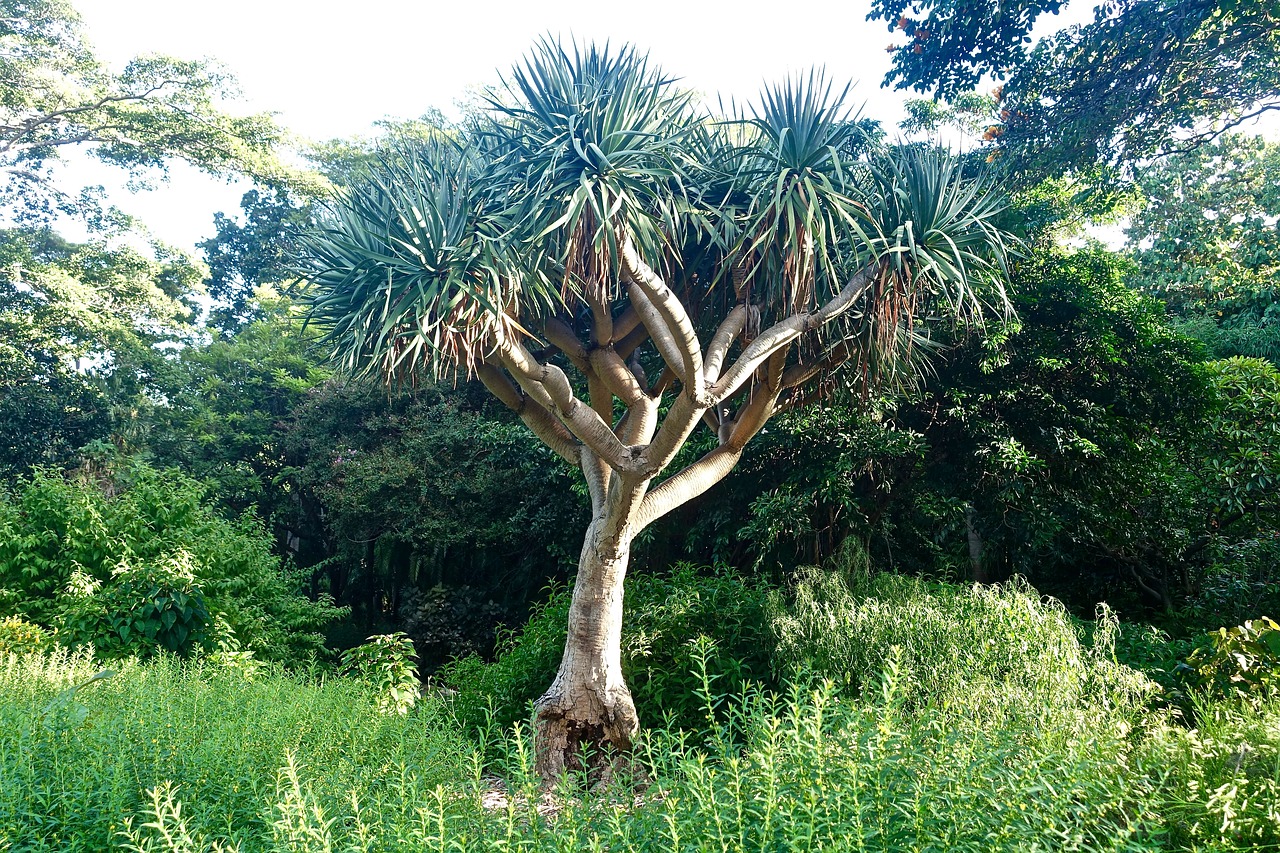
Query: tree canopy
(1145, 77)
(56, 94)
(1206, 241)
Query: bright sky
(331, 70)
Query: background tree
(55, 94)
(83, 329)
(1206, 241)
(595, 209)
(1146, 77)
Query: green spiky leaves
(524, 217)
(588, 146)
(409, 270)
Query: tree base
(591, 736)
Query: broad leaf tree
(622, 270)
(1144, 77)
(57, 95)
(1208, 243)
(82, 333)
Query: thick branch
(601, 316)
(783, 333)
(548, 381)
(688, 484)
(552, 433)
(638, 424)
(595, 473)
(637, 334)
(681, 418)
(722, 340)
(678, 325)
(563, 339)
(714, 466)
(627, 321)
(602, 404)
(615, 374)
(652, 323)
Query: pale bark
(724, 337)
(676, 320)
(786, 331)
(547, 384)
(588, 703)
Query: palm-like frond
(587, 149)
(936, 227)
(584, 148)
(408, 270)
(794, 213)
(933, 232)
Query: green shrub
(169, 755)
(805, 772)
(1242, 583)
(96, 562)
(385, 663)
(1241, 662)
(664, 616)
(982, 652)
(1222, 776)
(137, 611)
(17, 636)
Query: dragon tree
(621, 268)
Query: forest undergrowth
(902, 715)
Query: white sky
(330, 70)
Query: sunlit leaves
(407, 269)
(584, 148)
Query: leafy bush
(664, 616)
(1241, 662)
(804, 771)
(1243, 582)
(385, 663)
(144, 554)
(137, 611)
(17, 635)
(983, 652)
(1223, 775)
(170, 756)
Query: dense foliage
(139, 562)
(251, 603)
(1144, 77)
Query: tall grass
(939, 731)
(994, 655)
(74, 763)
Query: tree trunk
(589, 704)
(976, 555)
